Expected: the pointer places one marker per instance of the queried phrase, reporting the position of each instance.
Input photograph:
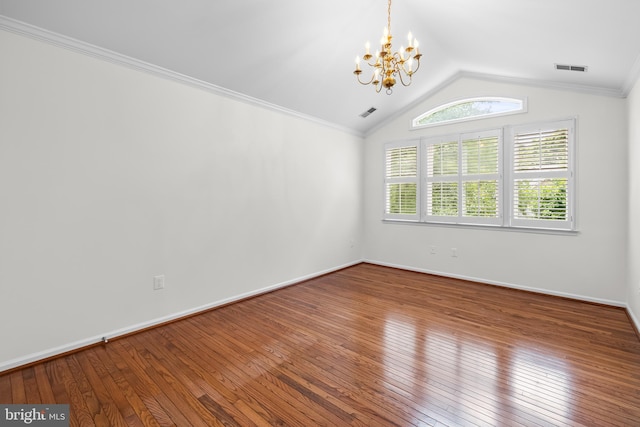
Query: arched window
(470, 109)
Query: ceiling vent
(368, 112)
(579, 68)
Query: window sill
(485, 227)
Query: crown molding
(31, 31)
(632, 78)
(589, 90)
(78, 46)
(546, 84)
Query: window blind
(402, 162)
(542, 175)
(544, 150)
(401, 181)
(513, 176)
(480, 176)
(442, 167)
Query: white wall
(590, 265)
(109, 176)
(634, 205)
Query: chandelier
(387, 65)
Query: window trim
(402, 217)
(570, 223)
(505, 183)
(459, 178)
(415, 126)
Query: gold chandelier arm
(375, 80)
(407, 65)
(358, 72)
(417, 60)
(401, 74)
(374, 65)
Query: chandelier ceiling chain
(388, 64)
(389, 16)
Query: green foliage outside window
(542, 199)
(481, 198)
(469, 109)
(402, 199)
(444, 199)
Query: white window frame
(506, 180)
(569, 174)
(402, 180)
(460, 178)
(524, 108)
(426, 179)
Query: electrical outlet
(433, 250)
(454, 252)
(158, 282)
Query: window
(524, 179)
(470, 109)
(542, 175)
(401, 181)
(462, 179)
(441, 180)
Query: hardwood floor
(365, 346)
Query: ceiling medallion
(390, 65)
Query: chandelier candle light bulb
(388, 64)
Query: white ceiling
(299, 54)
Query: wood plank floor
(365, 346)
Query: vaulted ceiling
(299, 54)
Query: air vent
(579, 68)
(368, 112)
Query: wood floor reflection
(365, 346)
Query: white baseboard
(503, 284)
(633, 318)
(52, 352)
